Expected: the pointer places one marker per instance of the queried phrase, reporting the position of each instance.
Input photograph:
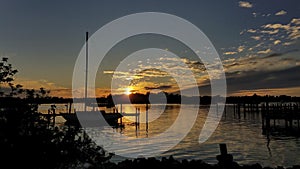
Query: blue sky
(258, 41)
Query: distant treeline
(169, 98)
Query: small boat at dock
(111, 118)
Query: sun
(128, 90)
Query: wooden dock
(113, 118)
(289, 113)
(71, 117)
(273, 115)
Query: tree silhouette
(26, 139)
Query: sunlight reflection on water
(243, 137)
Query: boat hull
(92, 118)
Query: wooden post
(291, 112)
(245, 109)
(136, 125)
(263, 118)
(268, 122)
(139, 112)
(70, 108)
(225, 160)
(267, 117)
(223, 149)
(296, 113)
(147, 117)
(239, 110)
(234, 111)
(121, 112)
(136, 113)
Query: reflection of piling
(262, 118)
(245, 108)
(147, 118)
(289, 113)
(137, 116)
(137, 121)
(121, 111)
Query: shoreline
(170, 162)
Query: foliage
(27, 139)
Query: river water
(243, 136)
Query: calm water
(243, 137)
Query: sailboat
(110, 117)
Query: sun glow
(128, 91)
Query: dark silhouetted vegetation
(27, 140)
(138, 98)
(171, 163)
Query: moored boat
(110, 118)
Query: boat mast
(86, 69)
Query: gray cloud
(254, 80)
(265, 80)
(163, 87)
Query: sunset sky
(258, 42)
